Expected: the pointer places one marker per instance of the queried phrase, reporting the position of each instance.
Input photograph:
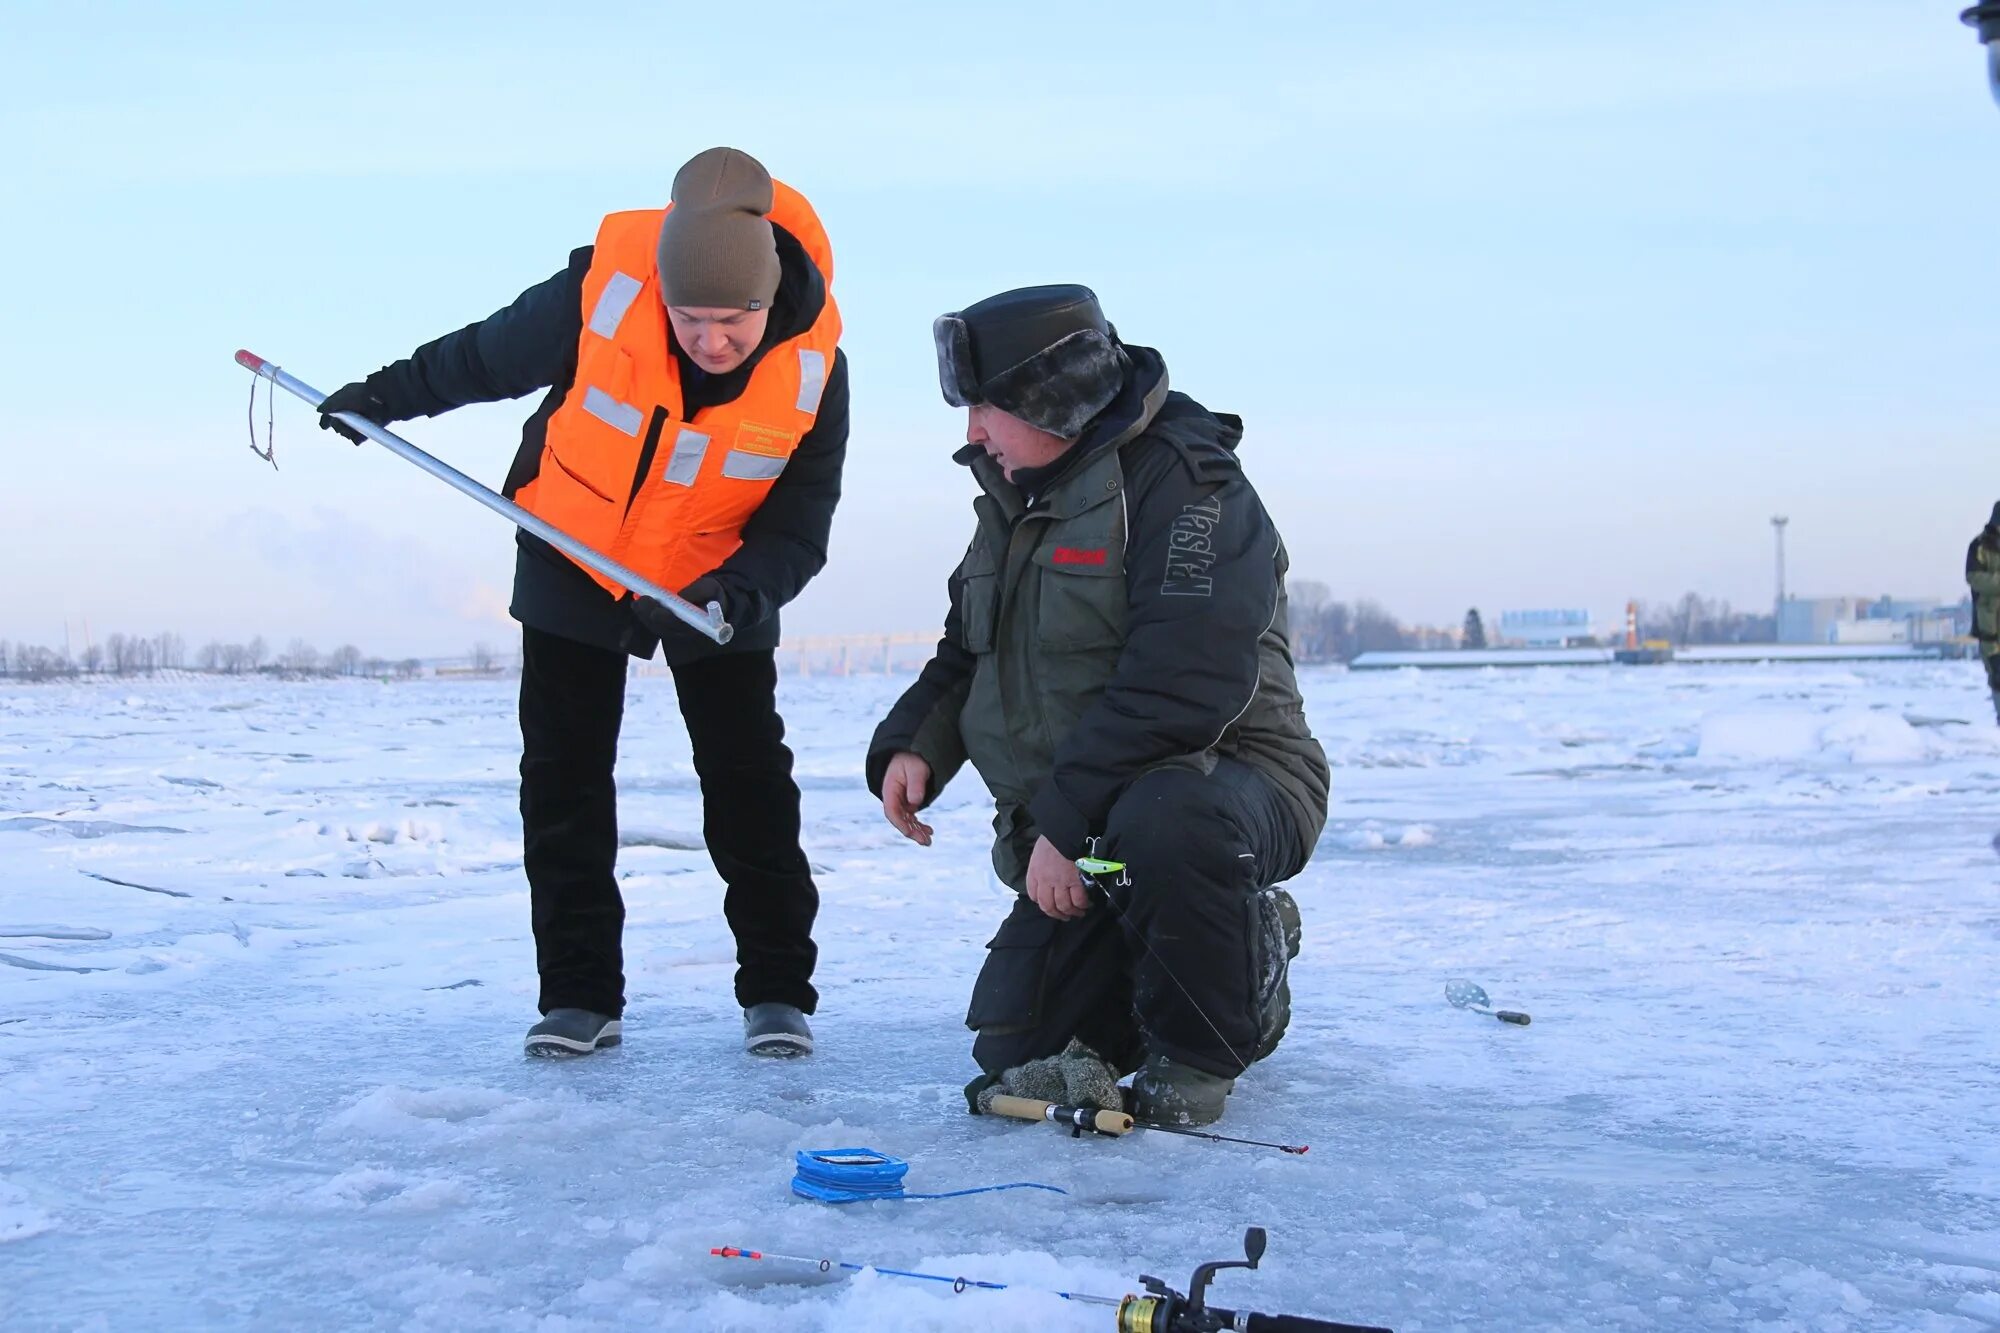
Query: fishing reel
(1164, 1310)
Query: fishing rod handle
(1513, 1016)
(1292, 1323)
(1113, 1123)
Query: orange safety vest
(707, 475)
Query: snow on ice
(265, 967)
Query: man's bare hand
(904, 787)
(1054, 883)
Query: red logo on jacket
(1077, 555)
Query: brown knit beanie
(716, 246)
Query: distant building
(1870, 620)
(1942, 624)
(1546, 628)
(1899, 608)
(1811, 619)
(1875, 629)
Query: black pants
(572, 701)
(1173, 964)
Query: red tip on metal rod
(250, 361)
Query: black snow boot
(778, 1030)
(573, 1032)
(1167, 1092)
(1278, 936)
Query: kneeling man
(1115, 666)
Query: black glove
(703, 591)
(660, 621)
(359, 399)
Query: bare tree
(1306, 610)
(117, 654)
(1375, 630)
(170, 651)
(1337, 632)
(4, 659)
(1691, 619)
(408, 668)
(344, 659)
(1325, 630)
(299, 656)
(209, 658)
(1695, 619)
(376, 666)
(483, 657)
(1308, 596)
(255, 653)
(93, 656)
(39, 663)
(1307, 601)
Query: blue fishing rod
(1161, 1309)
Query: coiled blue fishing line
(851, 1175)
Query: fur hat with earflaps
(1043, 354)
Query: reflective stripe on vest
(611, 412)
(812, 378)
(743, 465)
(612, 303)
(684, 464)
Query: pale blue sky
(1527, 305)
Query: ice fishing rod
(1296, 1149)
(958, 1285)
(1081, 1120)
(1161, 1310)
(707, 621)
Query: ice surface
(1752, 909)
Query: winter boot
(775, 1029)
(1167, 1092)
(1278, 938)
(573, 1032)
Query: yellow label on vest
(752, 438)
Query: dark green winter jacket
(1982, 574)
(1130, 616)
